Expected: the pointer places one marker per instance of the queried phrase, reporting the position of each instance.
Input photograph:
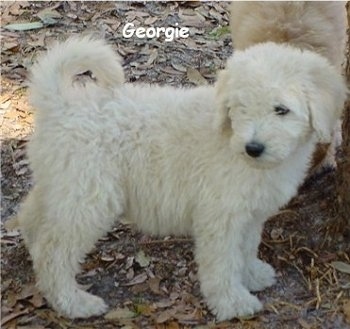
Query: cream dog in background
(214, 162)
(319, 26)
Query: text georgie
(170, 33)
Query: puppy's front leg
(221, 262)
(258, 275)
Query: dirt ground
(151, 282)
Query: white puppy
(319, 26)
(214, 162)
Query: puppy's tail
(54, 78)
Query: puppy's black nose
(254, 149)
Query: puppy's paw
(80, 304)
(238, 304)
(259, 275)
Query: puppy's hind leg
(30, 216)
(73, 223)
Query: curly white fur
(319, 26)
(171, 160)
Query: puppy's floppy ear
(326, 97)
(222, 119)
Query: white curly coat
(172, 161)
(319, 26)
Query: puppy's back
(317, 26)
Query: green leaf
(220, 31)
(24, 26)
(341, 267)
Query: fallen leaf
(174, 295)
(137, 279)
(142, 259)
(144, 309)
(49, 16)
(214, 14)
(130, 274)
(12, 316)
(107, 258)
(11, 299)
(195, 316)
(154, 285)
(164, 303)
(193, 20)
(194, 76)
(129, 262)
(14, 46)
(14, 7)
(345, 286)
(28, 291)
(304, 324)
(37, 300)
(150, 20)
(341, 267)
(24, 26)
(165, 316)
(120, 313)
(118, 256)
(276, 233)
(152, 57)
(139, 288)
(179, 67)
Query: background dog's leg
(329, 157)
(258, 275)
(71, 226)
(220, 260)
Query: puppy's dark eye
(281, 110)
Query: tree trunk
(343, 172)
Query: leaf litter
(151, 282)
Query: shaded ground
(151, 283)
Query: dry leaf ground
(151, 282)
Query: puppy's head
(273, 98)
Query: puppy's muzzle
(254, 149)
